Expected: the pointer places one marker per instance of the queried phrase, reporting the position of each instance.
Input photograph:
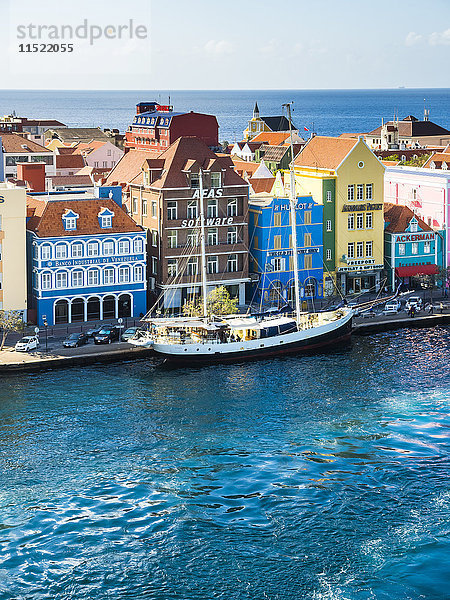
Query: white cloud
(219, 48)
(441, 38)
(413, 38)
(270, 48)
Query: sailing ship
(232, 338)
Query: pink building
(426, 192)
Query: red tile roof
(47, 221)
(398, 217)
(262, 185)
(69, 161)
(71, 180)
(14, 143)
(129, 166)
(325, 152)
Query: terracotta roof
(50, 224)
(69, 161)
(71, 180)
(128, 167)
(273, 138)
(244, 166)
(18, 144)
(88, 147)
(42, 123)
(438, 158)
(262, 185)
(325, 152)
(398, 217)
(81, 134)
(65, 150)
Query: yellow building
(13, 264)
(347, 178)
(258, 124)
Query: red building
(156, 127)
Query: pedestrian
(430, 309)
(413, 311)
(441, 307)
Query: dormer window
(215, 180)
(444, 166)
(413, 225)
(432, 165)
(105, 218)
(195, 180)
(70, 220)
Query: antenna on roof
(426, 112)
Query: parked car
(106, 335)
(92, 331)
(392, 307)
(129, 333)
(415, 301)
(27, 343)
(75, 339)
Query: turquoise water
(319, 477)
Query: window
(232, 208)
(171, 267)
(350, 193)
(212, 237)
(232, 263)
(171, 211)
(413, 226)
(351, 250)
(61, 279)
(77, 250)
(401, 249)
(138, 245)
(329, 198)
(61, 251)
(46, 281)
(427, 247)
(109, 153)
(46, 252)
(124, 247)
(108, 276)
(154, 264)
(308, 261)
(105, 164)
(307, 241)
(192, 266)
(154, 238)
(144, 207)
(351, 221)
(172, 238)
(277, 264)
(93, 278)
(277, 242)
(92, 249)
(106, 221)
(215, 180)
(360, 191)
(138, 273)
(307, 217)
(134, 205)
(414, 194)
(192, 237)
(360, 221)
(369, 220)
(329, 225)
(232, 235)
(369, 191)
(328, 254)
(153, 209)
(277, 219)
(211, 211)
(124, 275)
(212, 264)
(70, 223)
(77, 279)
(192, 209)
(359, 249)
(195, 180)
(369, 249)
(414, 248)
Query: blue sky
(238, 44)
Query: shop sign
(212, 193)
(360, 261)
(360, 268)
(290, 252)
(214, 222)
(98, 260)
(356, 207)
(415, 237)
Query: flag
(305, 128)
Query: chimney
(33, 174)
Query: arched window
(108, 276)
(108, 247)
(92, 249)
(138, 245)
(61, 311)
(46, 281)
(77, 278)
(124, 247)
(77, 250)
(93, 277)
(138, 272)
(124, 275)
(77, 310)
(46, 252)
(61, 251)
(61, 279)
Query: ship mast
(293, 212)
(202, 244)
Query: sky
(232, 44)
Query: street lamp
(44, 321)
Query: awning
(412, 270)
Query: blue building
(412, 249)
(271, 249)
(87, 257)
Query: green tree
(10, 321)
(218, 302)
(417, 162)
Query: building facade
(272, 253)
(258, 124)
(412, 248)
(348, 179)
(17, 149)
(13, 265)
(156, 127)
(87, 258)
(165, 199)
